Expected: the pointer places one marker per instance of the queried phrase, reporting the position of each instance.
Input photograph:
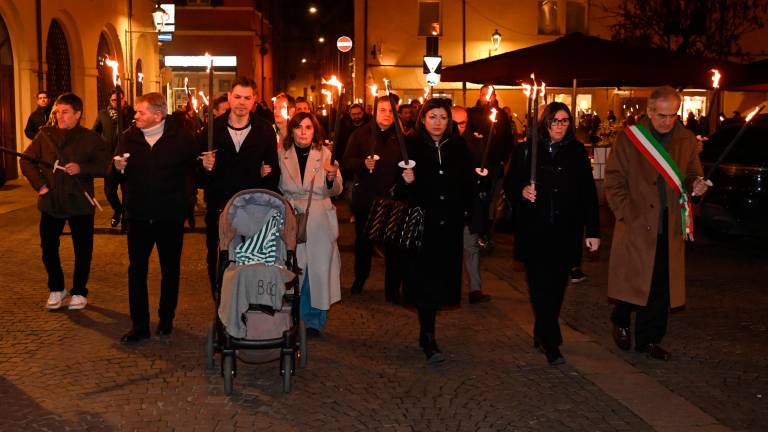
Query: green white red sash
(658, 156)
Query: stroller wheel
(229, 373)
(303, 353)
(286, 369)
(209, 347)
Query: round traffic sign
(344, 43)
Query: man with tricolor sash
(652, 172)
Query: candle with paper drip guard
(334, 82)
(406, 163)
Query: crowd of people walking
(452, 163)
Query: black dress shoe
(428, 344)
(622, 337)
(478, 297)
(554, 356)
(164, 328)
(115, 220)
(357, 287)
(134, 336)
(654, 351)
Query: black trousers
(651, 319)
(394, 264)
(547, 279)
(143, 235)
(82, 242)
(111, 184)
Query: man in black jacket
(244, 156)
(65, 194)
(374, 178)
(106, 125)
(39, 116)
(162, 155)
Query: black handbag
(395, 223)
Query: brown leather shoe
(622, 337)
(654, 351)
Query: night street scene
(384, 215)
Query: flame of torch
(426, 92)
(543, 90)
(328, 95)
(754, 113)
(333, 82)
(493, 115)
(527, 90)
(209, 60)
(488, 94)
(715, 78)
(202, 95)
(115, 72)
(194, 103)
(141, 77)
(284, 110)
(374, 90)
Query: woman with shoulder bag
(439, 183)
(308, 181)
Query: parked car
(738, 201)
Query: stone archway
(8, 168)
(58, 78)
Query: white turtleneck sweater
(152, 134)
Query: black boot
(357, 287)
(428, 344)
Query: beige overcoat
(632, 193)
(320, 254)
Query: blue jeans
(312, 317)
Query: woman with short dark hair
(553, 214)
(305, 170)
(440, 183)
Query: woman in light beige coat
(304, 167)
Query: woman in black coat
(440, 183)
(553, 214)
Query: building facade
(62, 46)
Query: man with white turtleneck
(157, 156)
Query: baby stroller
(257, 293)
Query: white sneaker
(55, 299)
(77, 302)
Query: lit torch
(406, 163)
(122, 155)
(711, 121)
(482, 171)
(210, 93)
(735, 139)
(375, 93)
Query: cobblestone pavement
(718, 342)
(67, 371)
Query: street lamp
(495, 42)
(312, 10)
(303, 60)
(321, 39)
(159, 16)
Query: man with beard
(373, 179)
(244, 156)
